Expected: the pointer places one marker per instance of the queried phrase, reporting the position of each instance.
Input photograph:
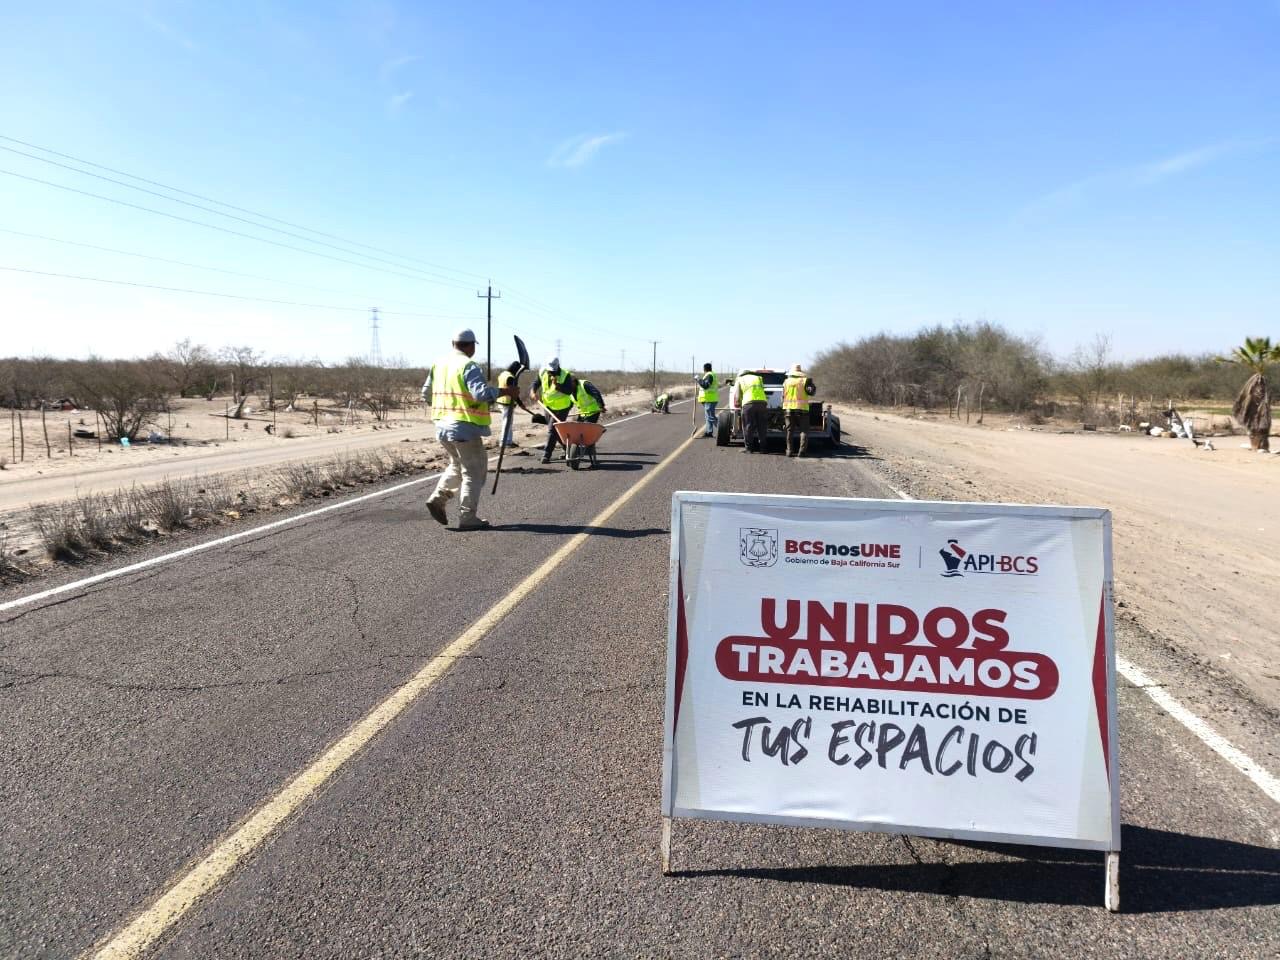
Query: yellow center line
(140, 933)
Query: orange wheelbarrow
(579, 439)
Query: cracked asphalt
(513, 809)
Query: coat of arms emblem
(757, 547)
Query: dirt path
(1194, 531)
(203, 449)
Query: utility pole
(375, 349)
(557, 346)
(655, 365)
(489, 296)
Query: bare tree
(245, 364)
(126, 393)
(187, 366)
(1092, 371)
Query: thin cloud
(397, 101)
(580, 150)
(1141, 175)
(1190, 160)
(388, 69)
(170, 31)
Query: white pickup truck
(824, 426)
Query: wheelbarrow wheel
(573, 456)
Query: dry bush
(76, 530)
(301, 480)
(58, 528)
(130, 517)
(396, 462)
(170, 505)
(344, 471)
(11, 571)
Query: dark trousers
(594, 418)
(552, 437)
(755, 424)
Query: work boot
(436, 509)
(474, 523)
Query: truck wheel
(724, 429)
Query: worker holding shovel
(460, 398)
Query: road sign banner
(940, 669)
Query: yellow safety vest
(587, 404)
(553, 398)
(751, 388)
(793, 397)
(505, 379)
(450, 398)
(712, 393)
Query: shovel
(522, 356)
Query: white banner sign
(941, 669)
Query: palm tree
(1253, 404)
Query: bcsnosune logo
(757, 546)
(958, 561)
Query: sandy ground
(204, 442)
(1194, 530)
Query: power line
(232, 273)
(535, 306)
(228, 230)
(222, 203)
(208, 293)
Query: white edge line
(1261, 777)
(232, 537)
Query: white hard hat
(464, 335)
(553, 363)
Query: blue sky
(745, 182)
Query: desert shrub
(11, 570)
(930, 367)
(58, 529)
(170, 505)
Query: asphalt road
(513, 808)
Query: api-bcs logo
(959, 561)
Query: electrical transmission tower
(375, 346)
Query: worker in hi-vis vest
(505, 379)
(459, 398)
(796, 391)
(755, 411)
(708, 395)
(556, 389)
(589, 401)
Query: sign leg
(666, 846)
(1112, 896)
